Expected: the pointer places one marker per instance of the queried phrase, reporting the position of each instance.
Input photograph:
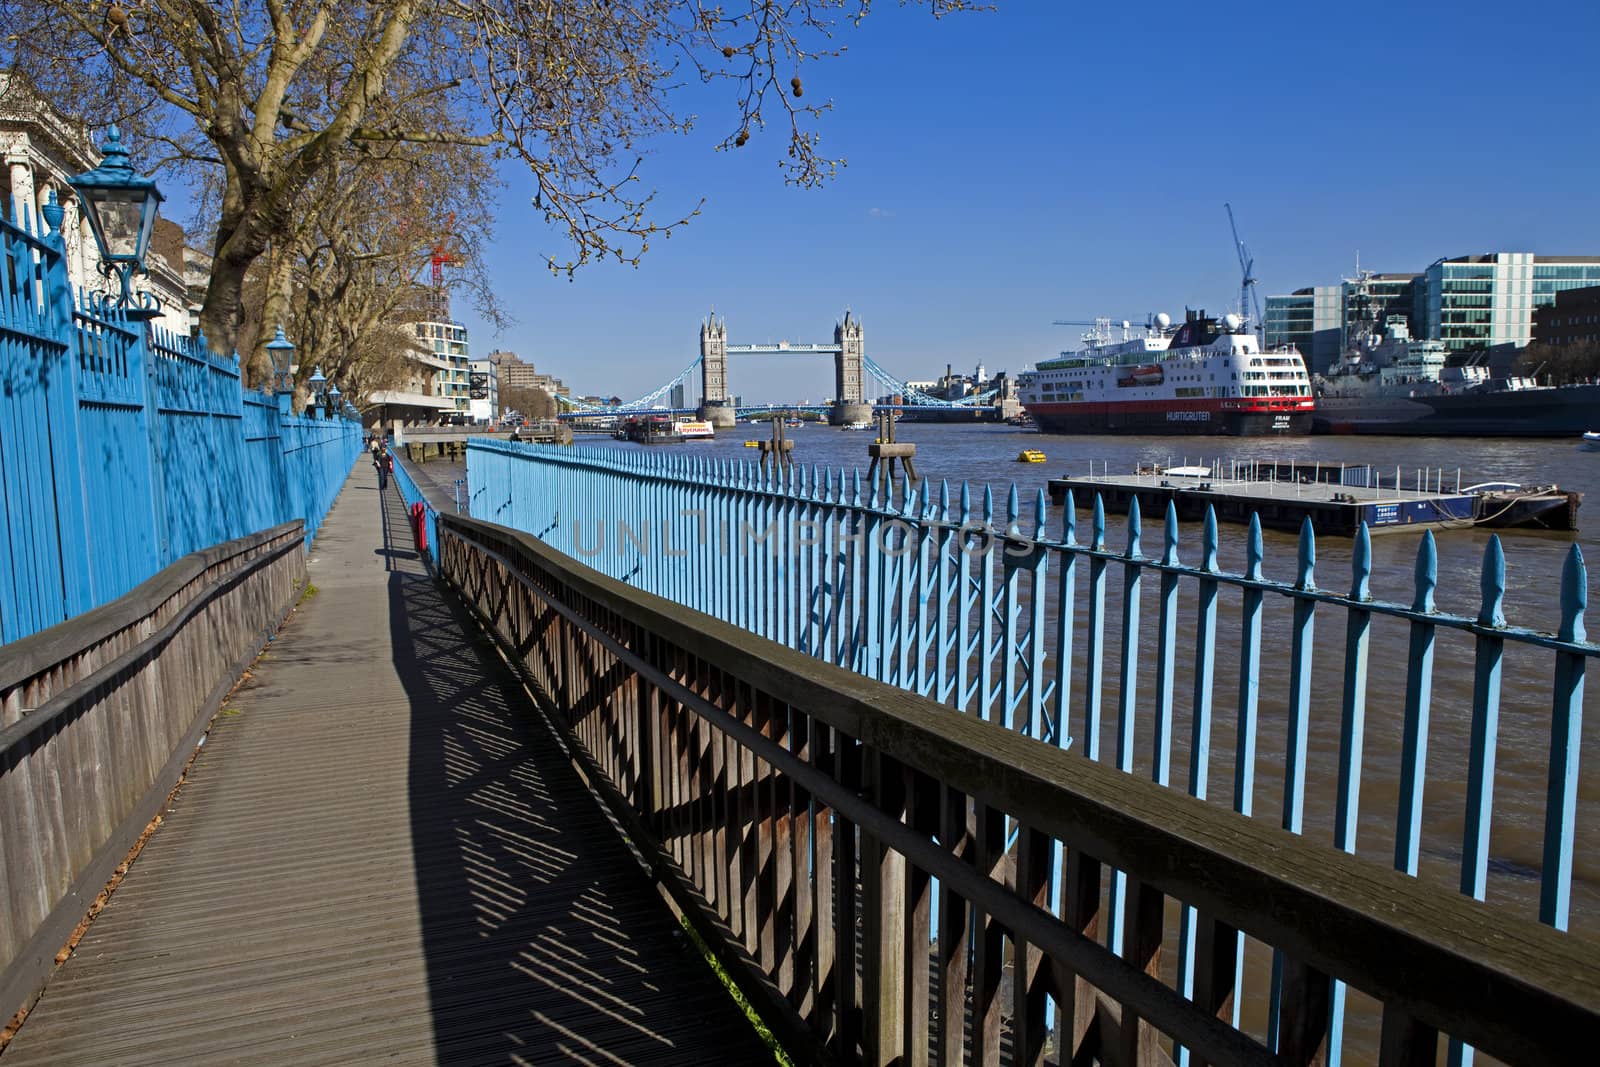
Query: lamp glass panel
(122, 222)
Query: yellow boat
(1030, 455)
(752, 444)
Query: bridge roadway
(381, 853)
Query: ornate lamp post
(120, 205)
(334, 395)
(318, 386)
(280, 350)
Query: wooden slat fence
(98, 717)
(829, 825)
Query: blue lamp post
(120, 205)
(334, 395)
(318, 385)
(280, 350)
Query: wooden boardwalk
(382, 854)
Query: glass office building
(1474, 302)
(1309, 319)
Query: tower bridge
(851, 364)
(848, 351)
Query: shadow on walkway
(543, 940)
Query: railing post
(61, 404)
(883, 915)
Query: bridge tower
(715, 405)
(849, 402)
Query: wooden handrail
(1436, 960)
(75, 789)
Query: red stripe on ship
(1250, 406)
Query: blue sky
(1055, 160)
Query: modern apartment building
(444, 345)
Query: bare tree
(270, 98)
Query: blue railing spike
(1305, 571)
(1254, 550)
(1013, 511)
(1169, 554)
(1040, 514)
(1426, 573)
(827, 487)
(855, 488)
(872, 498)
(1098, 524)
(1361, 565)
(925, 508)
(908, 497)
(988, 505)
(1208, 541)
(1069, 520)
(966, 501)
(1135, 549)
(1493, 584)
(1574, 596)
(944, 499)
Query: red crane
(440, 253)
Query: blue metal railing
(415, 500)
(979, 606)
(124, 447)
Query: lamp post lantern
(120, 205)
(318, 384)
(334, 395)
(280, 350)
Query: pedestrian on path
(385, 463)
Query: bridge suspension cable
(643, 403)
(883, 377)
(917, 396)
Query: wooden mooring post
(885, 451)
(779, 450)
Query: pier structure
(849, 354)
(1331, 508)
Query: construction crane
(440, 256)
(1247, 281)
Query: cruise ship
(1203, 376)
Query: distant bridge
(851, 363)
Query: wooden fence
(98, 717)
(830, 828)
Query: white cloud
(879, 213)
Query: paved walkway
(380, 854)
